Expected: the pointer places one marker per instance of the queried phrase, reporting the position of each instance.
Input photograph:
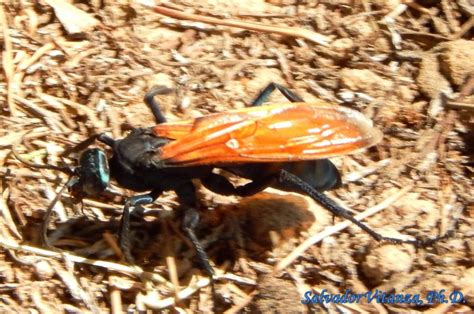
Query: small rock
(457, 60)
(303, 54)
(360, 29)
(74, 20)
(43, 270)
(467, 6)
(383, 45)
(466, 283)
(342, 47)
(441, 26)
(161, 79)
(430, 80)
(365, 81)
(261, 77)
(276, 295)
(406, 93)
(385, 261)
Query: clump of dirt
(456, 60)
(385, 261)
(276, 295)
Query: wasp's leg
(219, 184)
(265, 93)
(101, 137)
(187, 197)
(107, 140)
(337, 210)
(153, 104)
(124, 231)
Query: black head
(92, 175)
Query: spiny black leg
(190, 222)
(101, 137)
(187, 196)
(124, 231)
(154, 106)
(107, 140)
(265, 93)
(329, 204)
(219, 184)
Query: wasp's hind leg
(124, 231)
(187, 197)
(265, 93)
(153, 104)
(337, 210)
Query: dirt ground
(70, 71)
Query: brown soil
(70, 71)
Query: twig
(50, 119)
(26, 63)
(5, 212)
(405, 31)
(239, 307)
(38, 301)
(171, 261)
(464, 28)
(7, 62)
(334, 229)
(115, 297)
(72, 283)
(284, 66)
(111, 241)
(357, 175)
(460, 105)
(281, 30)
(396, 12)
(448, 12)
(135, 270)
(467, 88)
(90, 113)
(153, 301)
(412, 4)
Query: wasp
(285, 146)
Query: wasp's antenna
(65, 169)
(47, 216)
(81, 146)
(101, 137)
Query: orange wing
(274, 133)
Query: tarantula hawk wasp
(284, 146)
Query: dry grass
(70, 71)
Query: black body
(134, 168)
